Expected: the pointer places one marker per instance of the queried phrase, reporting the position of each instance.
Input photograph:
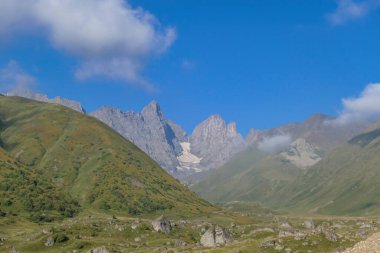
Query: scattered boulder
(309, 224)
(366, 226)
(283, 234)
(215, 236)
(268, 243)
(162, 224)
(279, 247)
(49, 242)
(361, 233)
(285, 226)
(98, 250)
(330, 235)
(137, 239)
(46, 231)
(13, 250)
(299, 235)
(179, 243)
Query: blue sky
(258, 63)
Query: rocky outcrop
(215, 236)
(149, 130)
(302, 154)
(44, 98)
(215, 141)
(162, 224)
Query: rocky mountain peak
(215, 141)
(149, 130)
(152, 109)
(232, 129)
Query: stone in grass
(284, 234)
(162, 224)
(98, 250)
(268, 243)
(13, 250)
(179, 243)
(49, 242)
(309, 224)
(331, 235)
(215, 236)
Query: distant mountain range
(314, 174)
(315, 166)
(211, 144)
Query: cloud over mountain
(275, 144)
(109, 37)
(364, 108)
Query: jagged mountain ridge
(148, 130)
(162, 139)
(44, 98)
(213, 142)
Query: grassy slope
(23, 191)
(249, 176)
(88, 160)
(345, 182)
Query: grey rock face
(215, 141)
(215, 236)
(149, 130)
(162, 224)
(43, 98)
(302, 154)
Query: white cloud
(348, 10)
(364, 108)
(13, 78)
(275, 144)
(109, 37)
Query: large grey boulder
(162, 224)
(215, 236)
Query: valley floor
(265, 233)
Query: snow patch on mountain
(187, 160)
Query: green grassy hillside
(82, 159)
(249, 176)
(347, 181)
